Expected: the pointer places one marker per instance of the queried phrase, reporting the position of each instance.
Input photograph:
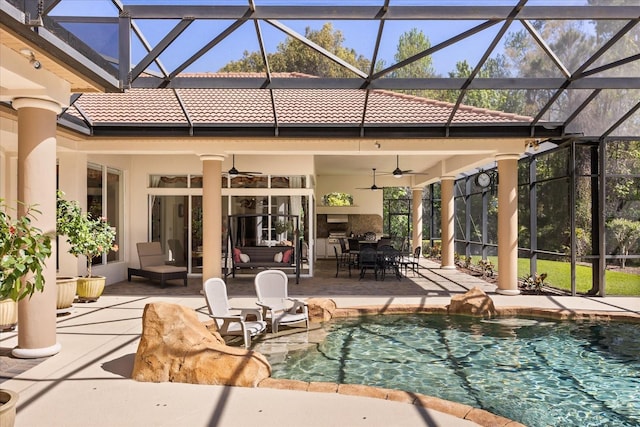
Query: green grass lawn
(559, 276)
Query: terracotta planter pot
(8, 314)
(66, 292)
(8, 400)
(90, 288)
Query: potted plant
(24, 249)
(87, 236)
(283, 227)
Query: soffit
(78, 83)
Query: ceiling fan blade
(374, 187)
(233, 172)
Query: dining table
(385, 260)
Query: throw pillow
(286, 257)
(277, 257)
(245, 258)
(236, 254)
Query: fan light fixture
(233, 172)
(397, 172)
(374, 187)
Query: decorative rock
(176, 347)
(321, 309)
(473, 303)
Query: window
(104, 200)
(175, 181)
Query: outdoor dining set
(377, 256)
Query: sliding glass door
(179, 233)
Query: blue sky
(359, 35)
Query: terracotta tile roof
(248, 107)
(393, 107)
(318, 106)
(227, 106)
(134, 106)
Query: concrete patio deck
(88, 383)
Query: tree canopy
(293, 56)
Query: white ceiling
(363, 164)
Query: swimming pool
(537, 372)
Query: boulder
(320, 309)
(472, 303)
(176, 347)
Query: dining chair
(412, 261)
(389, 259)
(342, 261)
(368, 259)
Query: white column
(416, 223)
(508, 224)
(37, 186)
(211, 216)
(447, 222)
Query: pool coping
(459, 410)
(327, 310)
(547, 313)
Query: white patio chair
(215, 293)
(273, 297)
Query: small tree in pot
(88, 236)
(24, 249)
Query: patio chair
(342, 260)
(412, 261)
(368, 259)
(273, 297)
(215, 293)
(344, 249)
(153, 266)
(389, 259)
(354, 250)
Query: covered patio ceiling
(115, 45)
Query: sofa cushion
(286, 257)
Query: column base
(448, 267)
(34, 353)
(510, 292)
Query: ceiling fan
(374, 187)
(233, 172)
(397, 172)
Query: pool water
(537, 372)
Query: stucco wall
(365, 201)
